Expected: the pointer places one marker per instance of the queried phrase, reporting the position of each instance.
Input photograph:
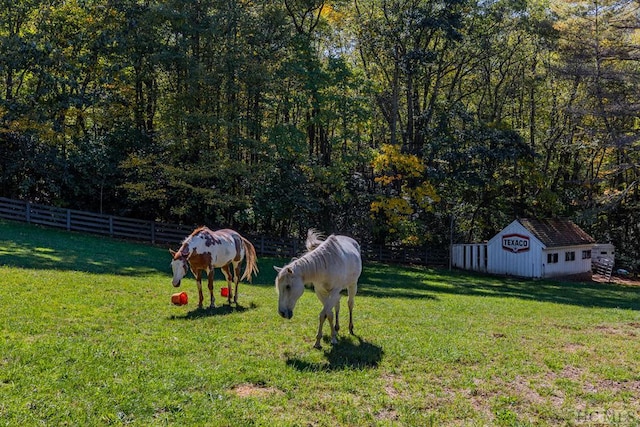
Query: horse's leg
(334, 333)
(199, 283)
(329, 302)
(352, 294)
(210, 283)
(337, 310)
(236, 279)
(321, 319)
(227, 275)
(322, 296)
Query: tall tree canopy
(381, 118)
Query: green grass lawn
(89, 337)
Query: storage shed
(604, 251)
(530, 248)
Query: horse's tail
(314, 239)
(251, 266)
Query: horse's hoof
(317, 346)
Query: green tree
(598, 47)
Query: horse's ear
(172, 252)
(278, 269)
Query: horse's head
(290, 288)
(179, 265)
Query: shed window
(586, 254)
(570, 256)
(552, 258)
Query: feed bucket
(179, 298)
(224, 292)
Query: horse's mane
(320, 255)
(194, 233)
(183, 247)
(197, 230)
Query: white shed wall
(524, 262)
(565, 267)
(516, 252)
(472, 256)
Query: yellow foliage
(411, 240)
(333, 16)
(424, 195)
(405, 170)
(392, 206)
(391, 159)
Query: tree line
(397, 121)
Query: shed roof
(556, 232)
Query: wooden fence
(603, 267)
(172, 234)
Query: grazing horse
(204, 250)
(331, 266)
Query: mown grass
(89, 337)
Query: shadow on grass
(33, 247)
(415, 282)
(221, 310)
(349, 353)
(393, 282)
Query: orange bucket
(224, 292)
(179, 298)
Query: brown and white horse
(204, 250)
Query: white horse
(331, 266)
(205, 250)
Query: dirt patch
(254, 390)
(570, 400)
(387, 414)
(618, 280)
(574, 348)
(625, 329)
(389, 387)
(571, 373)
(630, 387)
(523, 388)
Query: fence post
(28, 213)
(68, 219)
(110, 226)
(153, 232)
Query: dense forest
(396, 121)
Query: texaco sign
(515, 243)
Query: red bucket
(179, 298)
(224, 292)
